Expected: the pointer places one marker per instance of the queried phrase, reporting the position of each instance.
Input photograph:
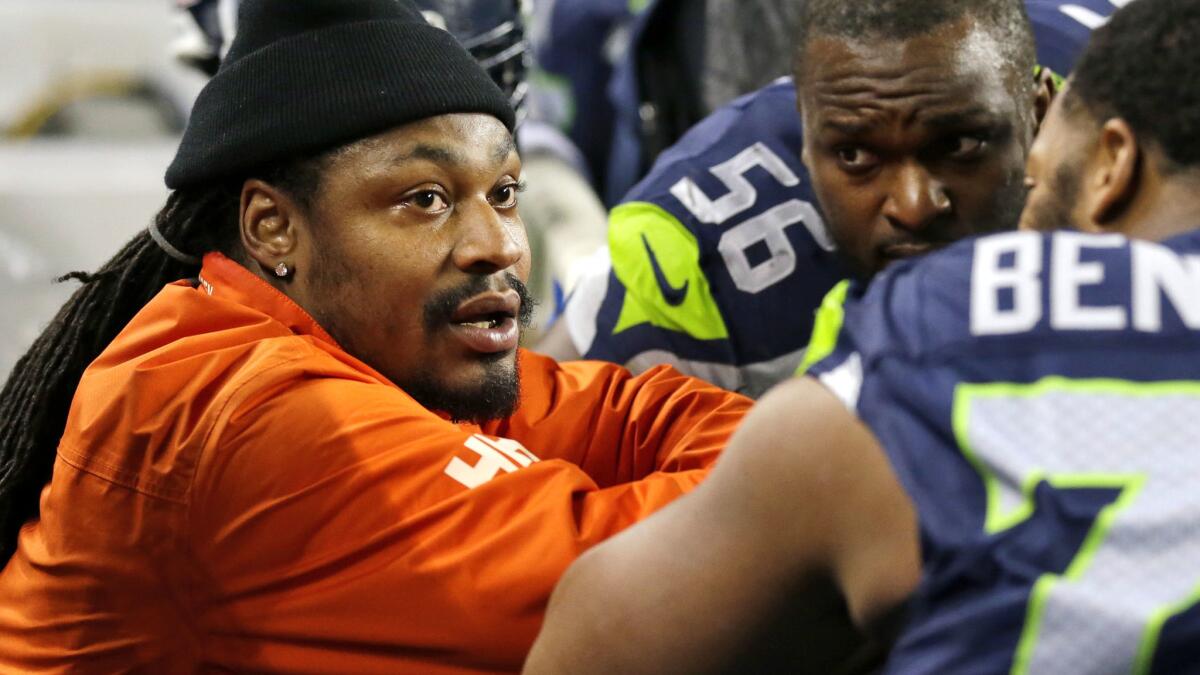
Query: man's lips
(487, 323)
(902, 250)
(486, 306)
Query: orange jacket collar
(223, 278)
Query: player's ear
(1046, 87)
(268, 219)
(1117, 171)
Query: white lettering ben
(1158, 276)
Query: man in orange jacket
(321, 450)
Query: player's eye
(967, 146)
(505, 196)
(855, 159)
(426, 199)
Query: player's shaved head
(891, 20)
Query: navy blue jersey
(729, 217)
(718, 258)
(1038, 397)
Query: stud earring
(282, 270)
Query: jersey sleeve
(343, 513)
(718, 259)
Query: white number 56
(767, 227)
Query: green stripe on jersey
(827, 327)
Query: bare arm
(803, 497)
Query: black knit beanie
(305, 76)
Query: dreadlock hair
(1005, 20)
(37, 396)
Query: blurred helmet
(203, 31)
(492, 30)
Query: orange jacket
(235, 492)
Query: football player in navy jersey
(728, 292)
(1000, 442)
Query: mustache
(941, 231)
(443, 304)
(946, 231)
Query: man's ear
(1046, 88)
(1117, 167)
(267, 222)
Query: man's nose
(916, 198)
(489, 241)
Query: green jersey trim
(827, 328)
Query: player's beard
(1054, 210)
(494, 396)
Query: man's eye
(966, 147)
(855, 159)
(427, 200)
(505, 196)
